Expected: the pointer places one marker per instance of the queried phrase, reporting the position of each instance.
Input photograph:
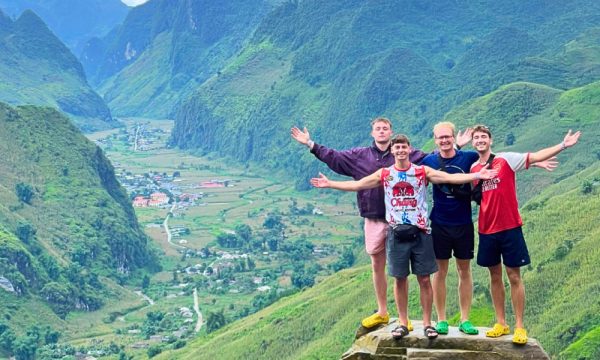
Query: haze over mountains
(37, 68)
(73, 21)
(235, 76)
(165, 49)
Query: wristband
(457, 146)
(562, 146)
(477, 176)
(310, 144)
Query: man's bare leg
(380, 281)
(439, 288)
(426, 296)
(517, 294)
(401, 297)
(465, 287)
(497, 290)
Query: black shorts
(448, 238)
(411, 256)
(508, 245)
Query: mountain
(334, 65)
(559, 210)
(73, 21)
(165, 49)
(36, 68)
(66, 224)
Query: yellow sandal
(520, 336)
(498, 330)
(375, 320)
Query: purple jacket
(359, 162)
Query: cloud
(133, 2)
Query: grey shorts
(415, 257)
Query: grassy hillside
(165, 49)
(66, 225)
(332, 66)
(528, 117)
(561, 283)
(36, 68)
(316, 323)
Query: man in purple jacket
(357, 163)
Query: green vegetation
(36, 68)
(164, 51)
(67, 225)
(327, 66)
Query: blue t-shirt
(447, 209)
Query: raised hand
(549, 164)
(571, 138)
(321, 182)
(464, 137)
(300, 136)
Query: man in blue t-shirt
(451, 226)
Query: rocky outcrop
(379, 344)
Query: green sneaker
(468, 328)
(442, 327)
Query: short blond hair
(444, 124)
(381, 119)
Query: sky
(133, 2)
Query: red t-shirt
(499, 208)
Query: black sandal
(399, 332)
(430, 332)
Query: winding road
(197, 310)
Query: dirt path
(197, 310)
(166, 226)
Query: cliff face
(379, 344)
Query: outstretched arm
(302, 136)
(441, 177)
(342, 162)
(544, 154)
(368, 182)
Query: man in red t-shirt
(500, 235)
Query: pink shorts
(375, 235)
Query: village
(249, 266)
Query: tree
(24, 348)
(51, 336)
(25, 232)
(587, 187)
(145, 281)
(215, 321)
(24, 192)
(7, 339)
(345, 261)
(251, 264)
(244, 232)
(154, 350)
(510, 139)
(302, 279)
(273, 221)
